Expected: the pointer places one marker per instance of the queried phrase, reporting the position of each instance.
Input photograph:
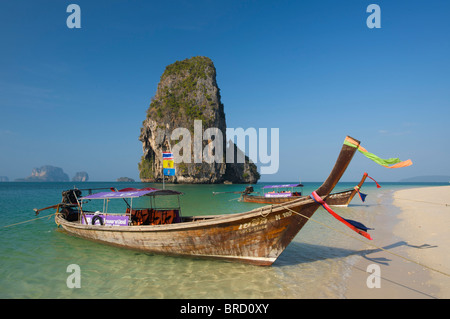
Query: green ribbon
(373, 157)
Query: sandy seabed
(410, 259)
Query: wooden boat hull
(341, 199)
(335, 199)
(269, 200)
(345, 197)
(256, 237)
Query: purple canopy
(283, 185)
(132, 192)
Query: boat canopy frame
(127, 193)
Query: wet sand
(411, 249)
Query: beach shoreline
(413, 255)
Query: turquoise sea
(34, 256)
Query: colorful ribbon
(361, 195)
(394, 162)
(354, 225)
(378, 185)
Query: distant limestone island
(80, 177)
(427, 179)
(48, 173)
(125, 179)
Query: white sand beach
(415, 260)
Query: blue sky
(76, 98)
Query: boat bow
(342, 162)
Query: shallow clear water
(34, 256)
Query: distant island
(48, 173)
(125, 179)
(4, 179)
(427, 179)
(80, 177)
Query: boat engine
(70, 196)
(69, 214)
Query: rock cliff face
(47, 173)
(80, 177)
(187, 92)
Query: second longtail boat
(288, 192)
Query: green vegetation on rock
(145, 168)
(184, 91)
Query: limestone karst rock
(80, 177)
(46, 173)
(187, 92)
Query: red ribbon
(378, 185)
(318, 199)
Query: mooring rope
(366, 243)
(27, 221)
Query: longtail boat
(343, 198)
(256, 237)
(277, 194)
(289, 192)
